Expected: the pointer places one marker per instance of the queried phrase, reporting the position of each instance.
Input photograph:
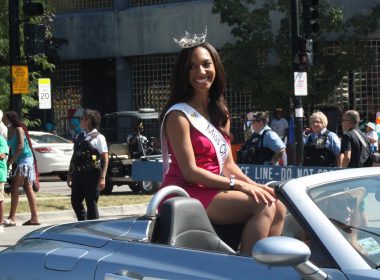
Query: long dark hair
(14, 119)
(182, 91)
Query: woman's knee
(280, 209)
(263, 209)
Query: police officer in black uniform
(322, 147)
(264, 146)
(88, 167)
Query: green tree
(260, 59)
(39, 65)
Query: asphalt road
(54, 185)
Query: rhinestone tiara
(191, 40)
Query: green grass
(49, 202)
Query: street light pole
(14, 50)
(297, 99)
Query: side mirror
(287, 251)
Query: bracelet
(232, 182)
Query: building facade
(120, 54)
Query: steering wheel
(160, 195)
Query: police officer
(322, 147)
(88, 167)
(264, 146)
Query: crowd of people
(321, 146)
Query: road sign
(300, 83)
(44, 93)
(20, 79)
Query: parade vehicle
(116, 127)
(324, 237)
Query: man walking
(355, 147)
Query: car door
(167, 262)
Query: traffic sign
(44, 93)
(20, 79)
(300, 83)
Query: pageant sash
(202, 125)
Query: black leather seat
(183, 222)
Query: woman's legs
(237, 207)
(28, 187)
(279, 219)
(17, 181)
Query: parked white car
(53, 153)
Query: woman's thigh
(236, 207)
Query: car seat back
(183, 222)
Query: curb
(57, 216)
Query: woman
(322, 147)
(88, 167)
(201, 153)
(24, 168)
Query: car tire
(63, 176)
(108, 188)
(135, 187)
(148, 187)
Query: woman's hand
(257, 191)
(102, 183)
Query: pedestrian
(3, 128)
(24, 168)
(264, 146)
(355, 152)
(196, 132)
(136, 141)
(372, 136)
(3, 176)
(88, 167)
(355, 146)
(247, 126)
(322, 147)
(280, 125)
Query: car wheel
(63, 176)
(108, 188)
(135, 187)
(148, 187)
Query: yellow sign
(20, 79)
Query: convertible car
(331, 231)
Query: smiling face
(202, 70)
(317, 125)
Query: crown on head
(191, 41)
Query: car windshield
(353, 207)
(48, 138)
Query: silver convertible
(331, 231)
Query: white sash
(202, 125)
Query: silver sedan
(331, 232)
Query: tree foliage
(39, 65)
(260, 59)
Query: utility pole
(14, 51)
(297, 99)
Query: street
(54, 185)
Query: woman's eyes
(204, 65)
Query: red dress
(206, 158)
